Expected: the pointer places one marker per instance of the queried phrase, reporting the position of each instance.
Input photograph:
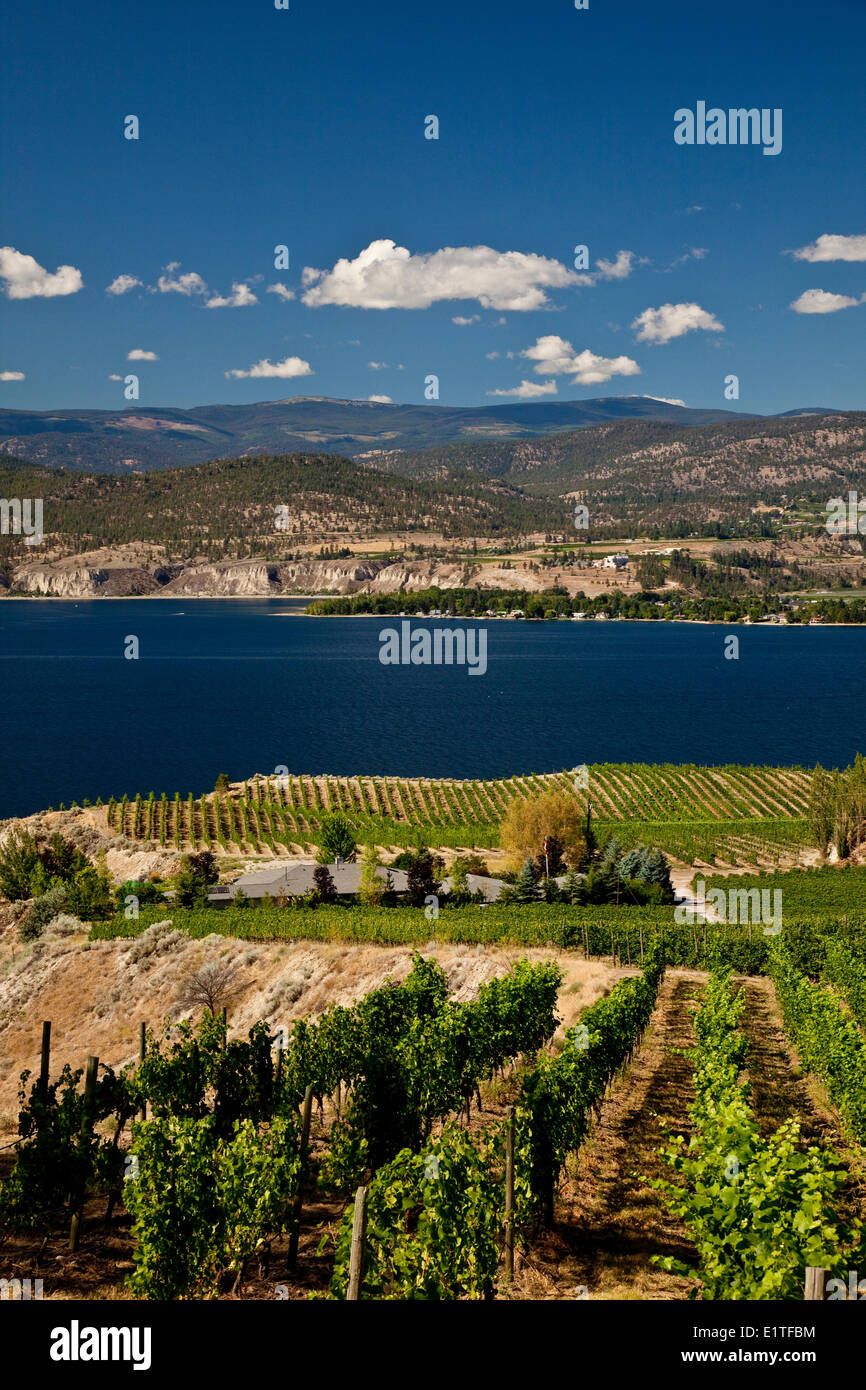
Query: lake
(232, 686)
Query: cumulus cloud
(280, 289)
(377, 366)
(822, 302)
(833, 248)
(290, 366)
(619, 269)
(141, 355)
(672, 321)
(188, 283)
(380, 400)
(12, 376)
(240, 298)
(26, 279)
(528, 390)
(122, 284)
(387, 276)
(491, 356)
(555, 356)
(114, 377)
(463, 322)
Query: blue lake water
(230, 686)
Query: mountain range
(145, 438)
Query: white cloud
(280, 289)
(387, 276)
(822, 302)
(122, 284)
(619, 269)
(141, 355)
(12, 376)
(672, 321)
(114, 377)
(491, 356)
(528, 390)
(189, 283)
(380, 400)
(27, 279)
(555, 356)
(240, 297)
(377, 366)
(290, 366)
(833, 248)
(463, 322)
(694, 253)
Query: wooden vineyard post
(816, 1283)
(302, 1173)
(640, 931)
(45, 1064)
(356, 1256)
(87, 1112)
(509, 1196)
(142, 1049)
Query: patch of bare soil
(608, 1222)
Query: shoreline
(418, 617)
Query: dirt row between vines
(609, 1221)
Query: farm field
(736, 815)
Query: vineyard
(409, 1146)
(806, 892)
(738, 814)
(624, 934)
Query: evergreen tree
(573, 890)
(526, 888)
(336, 839)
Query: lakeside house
(296, 878)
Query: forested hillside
(650, 472)
(228, 507)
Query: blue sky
(305, 127)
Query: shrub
(42, 911)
